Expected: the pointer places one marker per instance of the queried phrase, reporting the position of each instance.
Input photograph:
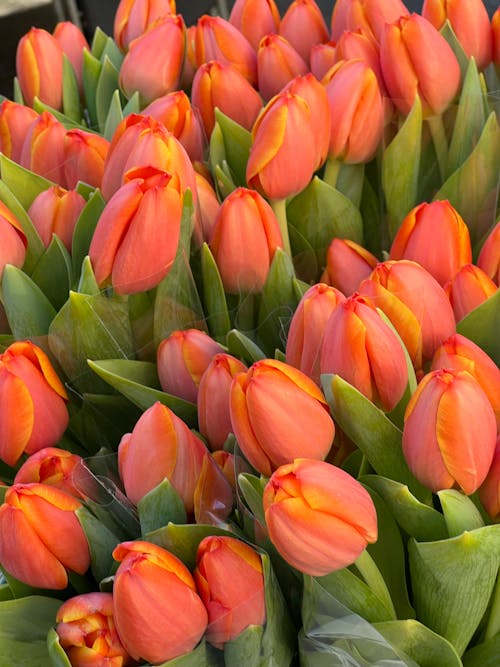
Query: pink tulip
(15, 120)
(303, 25)
(468, 289)
(255, 19)
(133, 18)
(347, 264)
(56, 211)
(39, 68)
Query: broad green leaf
(223, 179)
(252, 488)
(91, 69)
(68, 122)
(201, 656)
(214, 298)
(24, 184)
(99, 41)
(483, 655)
(183, 539)
(159, 507)
(450, 36)
(245, 649)
(114, 117)
(350, 181)
(305, 259)
(71, 94)
(106, 86)
(87, 283)
(112, 52)
(84, 230)
(58, 656)
(482, 325)
(101, 543)
(237, 141)
(459, 512)
(52, 273)
(28, 310)
(133, 105)
(243, 347)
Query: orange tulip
(267, 433)
(489, 257)
(73, 42)
(43, 148)
(52, 466)
(449, 431)
(277, 64)
(39, 68)
(322, 57)
(255, 18)
(347, 264)
(40, 536)
(495, 28)
(13, 245)
(33, 412)
(230, 582)
(133, 17)
(158, 613)
(226, 462)
(319, 518)
(468, 289)
(370, 15)
(86, 631)
(56, 211)
(84, 157)
(303, 25)
(15, 119)
(489, 491)
(435, 236)
(207, 211)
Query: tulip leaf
(99, 41)
(183, 539)
(223, 180)
(237, 141)
(84, 230)
(350, 180)
(70, 92)
(452, 582)
(214, 298)
(24, 184)
(114, 117)
(28, 310)
(58, 656)
(106, 86)
(133, 105)
(87, 283)
(252, 488)
(371, 430)
(400, 178)
(245, 649)
(52, 273)
(24, 625)
(418, 642)
(110, 50)
(304, 256)
(201, 656)
(17, 95)
(459, 512)
(483, 655)
(482, 325)
(137, 381)
(91, 69)
(448, 33)
(159, 507)
(68, 122)
(243, 347)
(101, 543)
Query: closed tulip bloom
(13, 245)
(137, 234)
(40, 537)
(468, 289)
(39, 68)
(470, 22)
(347, 264)
(222, 86)
(73, 42)
(435, 236)
(255, 18)
(151, 67)
(370, 15)
(56, 211)
(15, 120)
(495, 28)
(226, 462)
(33, 412)
(244, 240)
(218, 39)
(408, 71)
(214, 420)
(322, 57)
(460, 353)
(53, 466)
(489, 491)
(319, 518)
(277, 63)
(182, 359)
(43, 148)
(356, 111)
(133, 18)
(307, 328)
(84, 157)
(303, 25)
(268, 434)
(449, 431)
(207, 211)
(230, 582)
(158, 613)
(87, 632)
(489, 256)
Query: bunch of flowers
(249, 316)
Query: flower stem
(332, 169)
(436, 126)
(493, 623)
(279, 208)
(374, 579)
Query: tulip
(52, 466)
(207, 211)
(13, 246)
(39, 68)
(158, 613)
(449, 431)
(218, 39)
(136, 238)
(244, 240)
(56, 211)
(133, 18)
(33, 412)
(87, 632)
(489, 256)
(435, 236)
(230, 582)
(470, 22)
(43, 148)
(40, 537)
(73, 42)
(277, 64)
(370, 15)
(15, 120)
(408, 70)
(319, 518)
(303, 25)
(84, 157)
(468, 289)
(347, 264)
(226, 462)
(182, 359)
(222, 86)
(489, 491)
(322, 57)
(149, 67)
(255, 19)
(460, 353)
(268, 434)
(189, 69)
(495, 28)
(174, 110)
(307, 328)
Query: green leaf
(52, 273)
(106, 86)
(111, 51)
(243, 347)
(133, 105)
(252, 488)
(71, 94)
(114, 117)
(17, 94)
(99, 41)
(459, 512)
(28, 310)
(160, 506)
(245, 648)
(305, 258)
(449, 35)
(23, 184)
(350, 181)
(87, 283)
(482, 325)
(483, 655)
(201, 656)
(214, 298)
(236, 141)
(58, 656)
(183, 540)
(84, 230)
(101, 543)
(400, 176)
(91, 69)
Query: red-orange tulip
(73, 42)
(277, 64)
(489, 491)
(84, 157)
(347, 264)
(319, 518)
(489, 257)
(322, 57)
(207, 211)
(13, 245)
(303, 25)
(43, 148)
(15, 119)
(133, 17)
(370, 15)
(56, 211)
(255, 18)
(468, 289)
(39, 68)
(53, 466)
(495, 28)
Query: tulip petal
(16, 416)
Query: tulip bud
(307, 328)
(43, 148)
(495, 28)
(40, 536)
(489, 257)
(319, 518)
(33, 412)
(470, 22)
(303, 25)
(347, 264)
(189, 69)
(73, 43)
(39, 68)
(244, 240)
(133, 17)
(52, 466)
(84, 157)
(230, 582)
(489, 491)
(255, 18)
(207, 211)
(370, 15)
(268, 434)
(277, 64)
(15, 120)
(435, 236)
(56, 211)
(408, 70)
(468, 289)
(13, 246)
(449, 431)
(182, 359)
(86, 631)
(213, 398)
(322, 57)
(226, 462)
(158, 613)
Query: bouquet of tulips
(249, 339)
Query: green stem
(279, 208)
(436, 126)
(493, 624)
(244, 319)
(373, 578)
(332, 169)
